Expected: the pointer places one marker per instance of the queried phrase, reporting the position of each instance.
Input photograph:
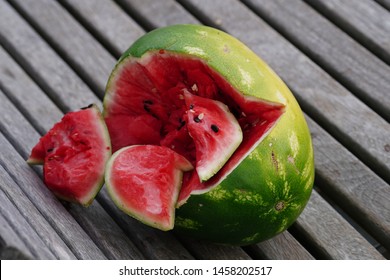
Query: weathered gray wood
(155, 14)
(27, 96)
(336, 109)
(107, 234)
(282, 247)
(210, 251)
(21, 226)
(53, 211)
(41, 62)
(107, 21)
(349, 62)
(71, 40)
(11, 246)
(332, 236)
(359, 191)
(365, 20)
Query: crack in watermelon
(145, 104)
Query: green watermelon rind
(130, 211)
(278, 172)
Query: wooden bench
(334, 55)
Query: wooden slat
(105, 231)
(17, 83)
(210, 251)
(365, 20)
(64, 33)
(64, 224)
(349, 62)
(11, 246)
(359, 191)
(23, 230)
(332, 236)
(107, 21)
(334, 108)
(283, 247)
(155, 244)
(155, 14)
(41, 62)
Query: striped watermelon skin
(270, 187)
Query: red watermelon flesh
(144, 181)
(215, 131)
(74, 154)
(157, 85)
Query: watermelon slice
(215, 131)
(74, 154)
(145, 180)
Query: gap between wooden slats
(365, 20)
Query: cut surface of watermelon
(158, 89)
(74, 154)
(144, 181)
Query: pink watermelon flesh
(144, 181)
(74, 154)
(154, 93)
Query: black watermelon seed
(150, 102)
(214, 128)
(191, 106)
(196, 119)
(182, 123)
(50, 150)
(87, 107)
(146, 108)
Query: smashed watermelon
(253, 157)
(74, 153)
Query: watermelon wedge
(74, 154)
(145, 180)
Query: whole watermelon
(263, 187)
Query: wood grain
(11, 246)
(107, 21)
(348, 61)
(365, 20)
(70, 40)
(41, 62)
(332, 236)
(30, 241)
(282, 247)
(155, 14)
